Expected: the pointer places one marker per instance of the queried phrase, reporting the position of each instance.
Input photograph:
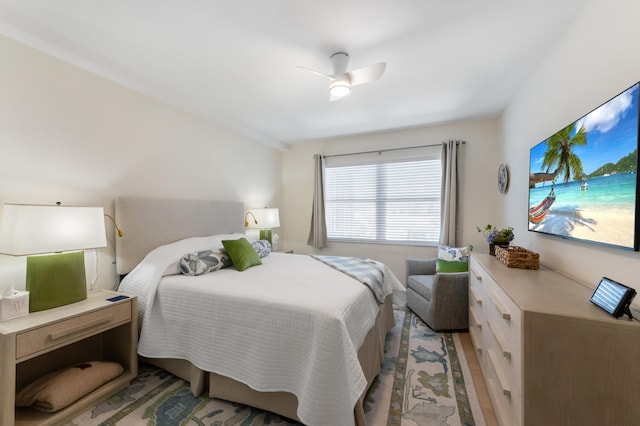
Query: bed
(293, 335)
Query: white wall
(596, 59)
(69, 135)
(479, 193)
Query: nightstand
(41, 342)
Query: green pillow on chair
(453, 259)
(242, 253)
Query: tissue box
(16, 305)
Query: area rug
(424, 381)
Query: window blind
(384, 198)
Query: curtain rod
(388, 149)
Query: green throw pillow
(453, 259)
(241, 253)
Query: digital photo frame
(613, 297)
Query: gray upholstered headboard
(147, 223)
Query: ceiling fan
(341, 80)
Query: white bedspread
(291, 324)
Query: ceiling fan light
(339, 88)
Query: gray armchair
(440, 300)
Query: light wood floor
(478, 379)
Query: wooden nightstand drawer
(60, 333)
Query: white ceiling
(235, 62)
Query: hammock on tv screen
(538, 213)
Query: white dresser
(548, 355)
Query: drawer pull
(475, 295)
(476, 274)
(504, 312)
(503, 382)
(73, 330)
(501, 342)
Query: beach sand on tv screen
(609, 226)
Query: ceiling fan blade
(367, 74)
(315, 72)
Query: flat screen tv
(583, 180)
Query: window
(389, 197)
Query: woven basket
(518, 257)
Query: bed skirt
(370, 355)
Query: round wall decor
(503, 178)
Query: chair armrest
(450, 294)
(450, 286)
(420, 267)
(453, 279)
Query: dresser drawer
(475, 331)
(504, 313)
(504, 323)
(60, 333)
(475, 298)
(508, 330)
(506, 398)
(476, 308)
(505, 357)
(477, 276)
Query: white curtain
(449, 197)
(318, 231)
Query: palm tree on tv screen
(559, 153)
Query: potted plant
(496, 237)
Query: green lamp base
(266, 234)
(55, 280)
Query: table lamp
(263, 219)
(53, 238)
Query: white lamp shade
(35, 229)
(264, 218)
